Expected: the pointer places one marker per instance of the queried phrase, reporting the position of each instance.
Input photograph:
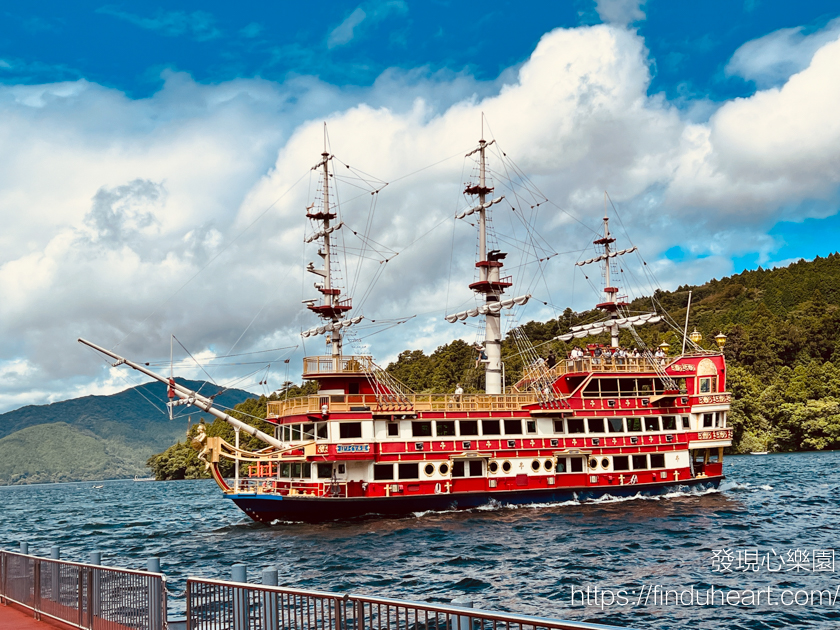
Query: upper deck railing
(417, 402)
(356, 364)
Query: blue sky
(147, 144)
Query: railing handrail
(84, 565)
(454, 611)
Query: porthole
(493, 467)
(535, 465)
(506, 466)
(605, 463)
(549, 464)
(429, 469)
(443, 469)
(593, 463)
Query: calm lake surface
(777, 515)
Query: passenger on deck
(596, 356)
(607, 356)
(620, 355)
(550, 360)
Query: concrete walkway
(14, 618)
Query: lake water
(772, 526)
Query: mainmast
(331, 308)
(490, 282)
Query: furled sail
(331, 327)
(597, 328)
(491, 307)
(620, 252)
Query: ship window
(652, 424)
(640, 462)
(296, 433)
(722, 419)
(506, 466)
(393, 429)
(353, 389)
(708, 384)
(285, 470)
(558, 425)
(609, 387)
(308, 432)
(383, 472)
(713, 456)
(321, 430)
(634, 424)
(307, 471)
(593, 463)
(490, 427)
(669, 423)
(421, 429)
(657, 460)
(296, 470)
(616, 425)
(708, 420)
(342, 469)
(531, 426)
(468, 427)
(350, 430)
(535, 465)
(595, 425)
(576, 464)
(445, 428)
(429, 469)
(627, 386)
(458, 468)
(287, 433)
(561, 465)
(575, 425)
(476, 467)
(409, 471)
(513, 427)
(591, 390)
(324, 471)
(645, 386)
(549, 464)
(443, 469)
(493, 467)
(685, 423)
(621, 462)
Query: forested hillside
(782, 348)
(93, 437)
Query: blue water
(524, 560)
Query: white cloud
(770, 60)
(621, 12)
(112, 207)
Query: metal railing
(415, 402)
(85, 596)
(355, 364)
(218, 605)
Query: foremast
(332, 308)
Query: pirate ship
(597, 422)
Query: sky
(157, 161)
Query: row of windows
(475, 467)
(620, 425)
(305, 432)
(474, 428)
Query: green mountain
(95, 437)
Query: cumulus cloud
(622, 12)
(127, 220)
(770, 60)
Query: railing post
(36, 588)
(3, 577)
(155, 595)
(96, 559)
(89, 581)
(269, 603)
(462, 622)
(55, 573)
(240, 597)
